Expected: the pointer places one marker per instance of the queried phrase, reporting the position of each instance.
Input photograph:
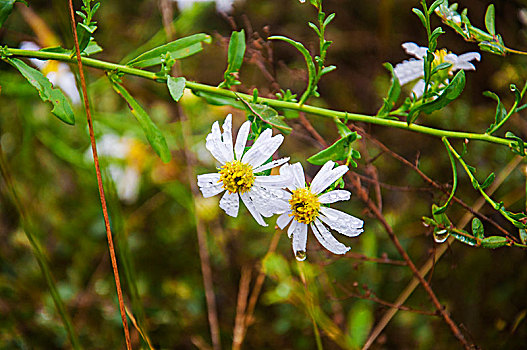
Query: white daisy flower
(58, 73)
(304, 207)
(237, 174)
(413, 69)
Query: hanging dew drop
(300, 255)
(441, 236)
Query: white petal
(327, 176)
(299, 239)
(263, 148)
(284, 219)
(469, 56)
(209, 185)
(230, 203)
(419, 88)
(276, 181)
(343, 223)
(334, 196)
(326, 238)
(268, 201)
(227, 136)
(252, 209)
(296, 173)
(216, 146)
(408, 71)
(241, 139)
(271, 165)
(415, 50)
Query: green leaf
(434, 5)
(342, 128)
(92, 48)
(465, 238)
(393, 94)
(309, 63)
(152, 132)
(61, 105)
(84, 36)
(493, 47)
(489, 20)
(440, 66)
(523, 235)
(477, 228)
(517, 146)
(441, 218)
(329, 19)
(270, 116)
(340, 150)
(217, 100)
(176, 87)
(494, 242)
(421, 16)
(6, 7)
(488, 181)
(501, 112)
(451, 92)
(359, 324)
(178, 49)
(236, 51)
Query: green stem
(511, 111)
(318, 111)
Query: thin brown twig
(440, 308)
(425, 269)
(99, 181)
(241, 305)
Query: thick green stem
(321, 112)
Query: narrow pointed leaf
(393, 94)
(6, 7)
(340, 150)
(236, 51)
(489, 20)
(61, 105)
(178, 49)
(152, 132)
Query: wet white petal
(215, 145)
(252, 209)
(284, 219)
(326, 238)
(241, 139)
(227, 136)
(261, 152)
(419, 88)
(276, 181)
(268, 201)
(334, 196)
(209, 185)
(296, 173)
(414, 50)
(408, 71)
(469, 56)
(327, 176)
(230, 203)
(271, 165)
(299, 234)
(343, 223)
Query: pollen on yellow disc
(237, 176)
(304, 205)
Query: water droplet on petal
(441, 236)
(300, 255)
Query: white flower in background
(448, 13)
(221, 5)
(58, 73)
(304, 207)
(413, 69)
(125, 173)
(237, 174)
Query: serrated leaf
(477, 228)
(178, 49)
(488, 181)
(61, 105)
(489, 20)
(393, 93)
(154, 136)
(340, 150)
(494, 242)
(176, 87)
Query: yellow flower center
(439, 57)
(237, 176)
(305, 205)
